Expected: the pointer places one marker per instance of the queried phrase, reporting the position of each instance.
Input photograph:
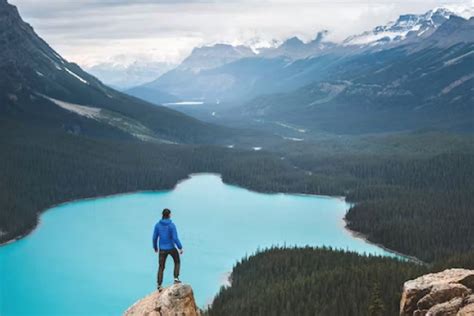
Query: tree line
(320, 281)
(417, 204)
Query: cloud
(95, 31)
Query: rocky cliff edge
(445, 293)
(177, 299)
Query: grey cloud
(90, 31)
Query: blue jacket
(166, 231)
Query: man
(166, 231)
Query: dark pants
(162, 260)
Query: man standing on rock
(166, 231)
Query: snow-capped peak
(465, 11)
(406, 25)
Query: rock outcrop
(177, 299)
(445, 293)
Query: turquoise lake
(95, 257)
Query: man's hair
(166, 213)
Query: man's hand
(181, 251)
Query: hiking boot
(177, 281)
(159, 288)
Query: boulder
(443, 293)
(467, 310)
(449, 308)
(177, 299)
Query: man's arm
(174, 234)
(156, 234)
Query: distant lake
(95, 257)
(185, 103)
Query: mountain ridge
(404, 87)
(294, 64)
(32, 74)
(406, 26)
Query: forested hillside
(320, 281)
(398, 89)
(418, 203)
(422, 207)
(39, 87)
(415, 203)
(308, 281)
(42, 167)
(412, 191)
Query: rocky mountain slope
(208, 57)
(406, 27)
(417, 85)
(190, 80)
(295, 64)
(294, 48)
(39, 87)
(177, 299)
(439, 294)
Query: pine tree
(377, 306)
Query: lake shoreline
(366, 239)
(227, 281)
(353, 233)
(320, 223)
(38, 221)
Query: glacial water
(95, 257)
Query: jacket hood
(165, 222)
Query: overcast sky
(96, 31)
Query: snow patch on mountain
(465, 11)
(406, 25)
(82, 110)
(457, 83)
(76, 76)
(295, 139)
(457, 59)
(126, 124)
(300, 130)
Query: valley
(383, 118)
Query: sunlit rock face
(177, 299)
(444, 293)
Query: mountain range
(39, 87)
(180, 83)
(407, 26)
(416, 72)
(422, 84)
(122, 75)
